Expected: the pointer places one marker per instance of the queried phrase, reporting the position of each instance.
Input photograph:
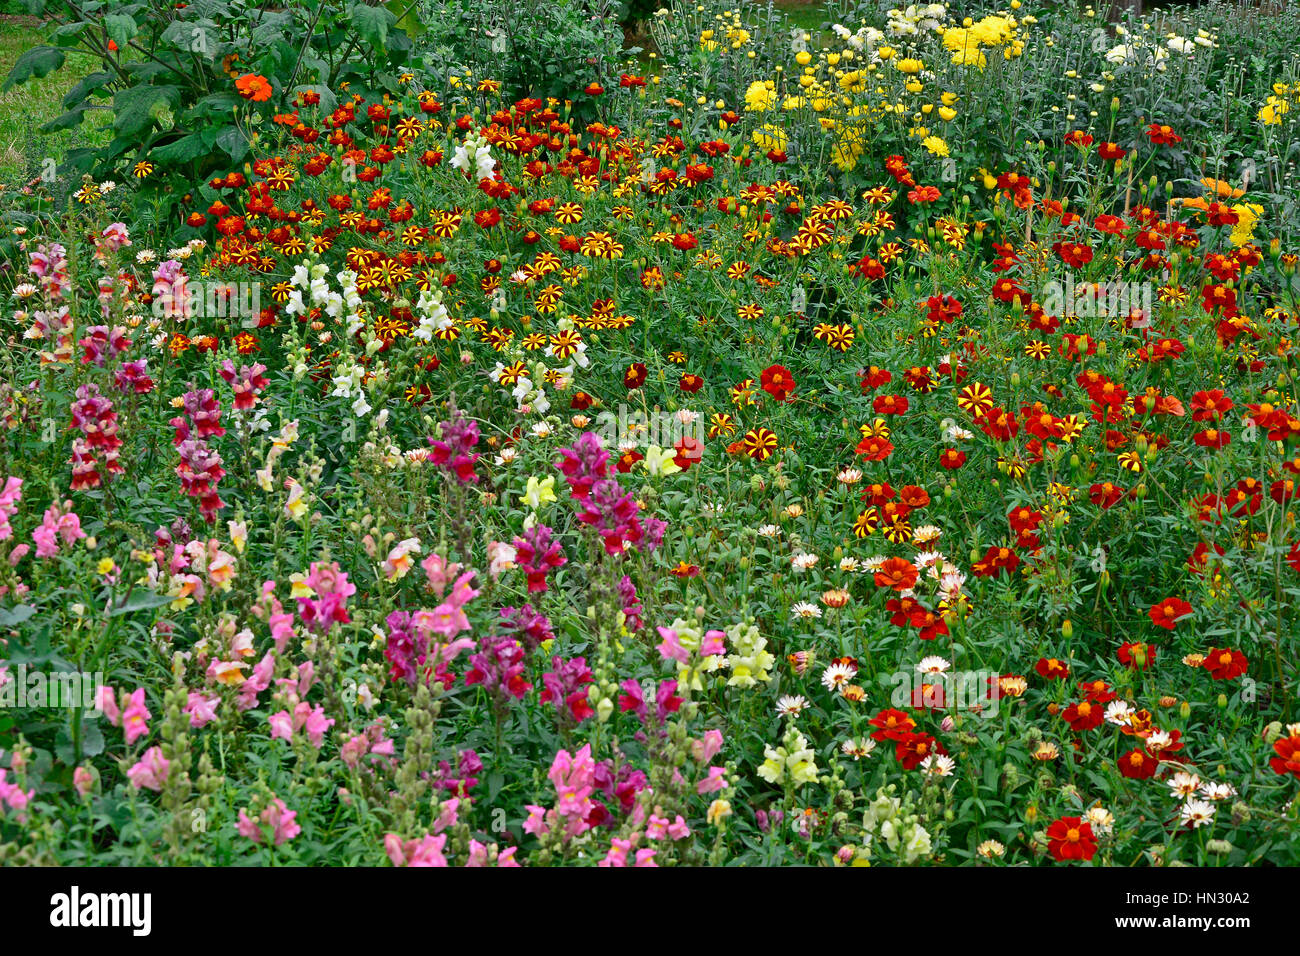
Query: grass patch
(24, 108)
(807, 14)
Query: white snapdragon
(476, 153)
(433, 315)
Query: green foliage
(541, 48)
(168, 75)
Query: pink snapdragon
(10, 495)
(14, 796)
(304, 717)
(150, 772)
(278, 817)
(202, 709)
(135, 717)
(329, 605)
(247, 384)
(424, 852)
(537, 553)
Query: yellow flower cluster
(969, 41)
(1278, 104)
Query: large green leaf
(233, 141)
(121, 28)
(182, 150)
(68, 120)
(372, 23)
(88, 84)
(139, 106)
(38, 61)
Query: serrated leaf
(121, 28)
(182, 150)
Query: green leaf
(140, 106)
(88, 84)
(12, 617)
(68, 120)
(372, 23)
(141, 602)
(92, 738)
(409, 23)
(181, 150)
(233, 142)
(38, 62)
(121, 28)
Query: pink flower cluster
(132, 715)
(200, 469)
(331, 589)
(606, 506)
(565, 687)
(13, 796)
(573, 776)
(247, 384)
(277, 818)
(537, 553)
(98, 443)
(59, 524)
(10, 495)
(304, 717)
(454, 452)
(150, 772)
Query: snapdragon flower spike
(95, 417)
(526, 625)
(499, 666)
(666, 700)
(134, 377)
(536, 554)
(564, 687)
(468, 766)
(622, 785)
(200, 471)
(613, 512)
(586, 463)
(204, 411)
(247, 384)
(59, 524)
(49, 263)
(573, 776)
(631, 604)
(332, 589)
(454, 451)
(102, 344)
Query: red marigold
(777, 381)
(1070, 838)
(1169, 612)
(1224, 663)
